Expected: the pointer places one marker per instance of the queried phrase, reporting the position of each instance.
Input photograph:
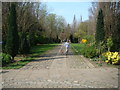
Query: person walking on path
(67, 46)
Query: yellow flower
(116, 53)
(108, 54)
(114, 57)
(108, 57)
(106, 61)
(113, 62)
(84, 40)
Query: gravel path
(54, 70)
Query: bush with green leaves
(109, 43)
(100, 48)
(89, 38)
(41, 39)
(89, 51)
(5, 59)
(31, 38)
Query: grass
(41, 49)
(18, 64)
(35, 51)
(77, 47)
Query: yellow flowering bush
(84, 40)
(111, 57)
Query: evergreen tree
(31, 38)
(24, 46)
(99, 36)
(116, 35)
(12, 42)
(71, 38)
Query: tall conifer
(99, 36)
(12, 42)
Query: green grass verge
(18, 64)
(35, 51)
(41, 49)
(76, 47)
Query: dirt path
(54, 70)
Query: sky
(69, 9)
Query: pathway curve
(54, 70)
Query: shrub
(90, 51)
(109, 43)
(100, 48)
(87, 50)
(89, 38)
(5, 59)
(32, 38)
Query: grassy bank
(35, 51)
(76, 47)
(41, 49)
